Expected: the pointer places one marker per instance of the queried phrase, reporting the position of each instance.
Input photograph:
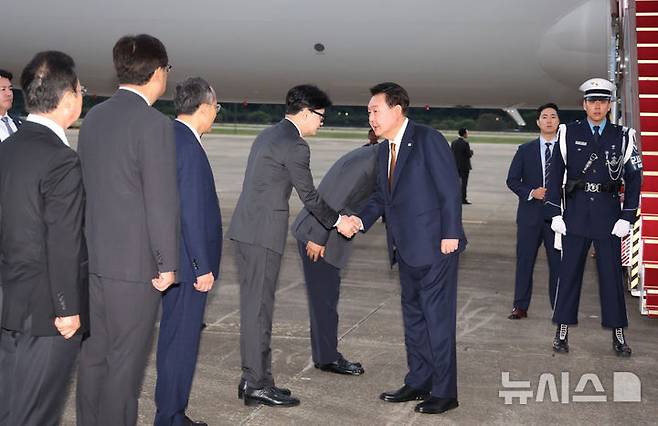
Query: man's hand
(539, 193)
(67, 326)
(314, 251)
(558, 225)
(449, 245)
(622, 228)
(348, 226)
(204, 282)
(163, 280)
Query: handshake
(349, 225)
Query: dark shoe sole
(252, 402)
(560, 350)
(426, 411)
(515, 317)
(422, 397)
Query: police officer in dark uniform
(593, 156)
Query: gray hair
(192, 93)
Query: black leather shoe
(518, 313)
(404, 394)
(243, 385)
(269, 396)
(561, 340)
(619, 343)
(342, 366)
(436, 405)
(189, 422)
(466, 202)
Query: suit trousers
(34, 374)
(611, 287)
(528, 240)
(258, 272)
(429, 311)
(114, 355)
(323, 290)
(183, 307)
(463, 176)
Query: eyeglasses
(83, 90)
(218, 107)
(322, 116)
(168, 68)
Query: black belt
(612, 187)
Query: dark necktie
(547, 162)
(391, 167)
(596, 134)
(5, 120)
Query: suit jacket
(41, 237)
(525, 174)
(278, 161)
(128, 156)
(201, 218)
(348, 185)
(424, 206)
(593, 214)
(461, 149)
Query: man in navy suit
(8, 123)
(418, 191)
(183, 304)
(527, 177)
(592, 158)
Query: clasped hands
(349, 225)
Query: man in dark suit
(278, 161)
(8, 123)
(527, 178)
(347, 186)
(184, 303)
(128, 156)
(44, 267)
(418, 191)
(462, 151)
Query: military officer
(592, 158)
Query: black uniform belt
(612, 187)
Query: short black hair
(462, 131)
(545, 106)
(46, 78)
(6, 74)
(137, 57)
(306, 96)
(395, 95)
(192, 93)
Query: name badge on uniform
(581, 143)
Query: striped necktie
(5, 120)
(547, 162)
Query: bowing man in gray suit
(348, 185)
(278, 161)
(128, 156)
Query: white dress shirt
(4, 133)
(56, 128)
(141, 95)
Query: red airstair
(647, 69)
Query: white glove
(558, 225)
(621, 228)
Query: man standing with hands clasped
(418, 191)
(527, 177)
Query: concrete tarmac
(489, 346)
